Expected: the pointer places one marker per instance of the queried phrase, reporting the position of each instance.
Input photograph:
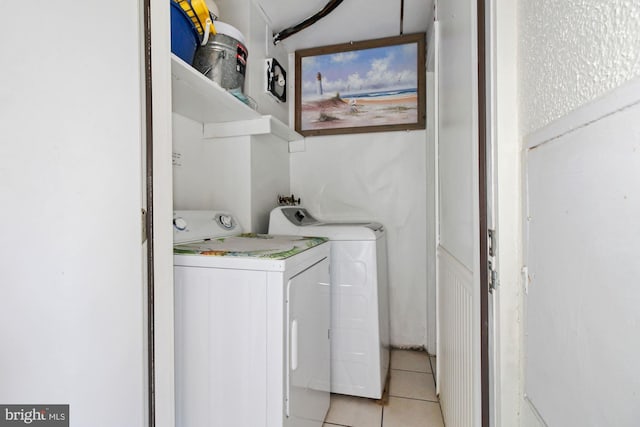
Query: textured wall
(572, 51)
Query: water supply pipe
(288, 32)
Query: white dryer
(359, 298)
(252, 318)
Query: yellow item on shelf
(197, 11)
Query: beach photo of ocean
(360, 88)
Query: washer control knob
(226, 221)
(179, 223)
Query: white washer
(359, 298)
(252, 319)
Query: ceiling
(352, 20)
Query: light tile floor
(412, 398)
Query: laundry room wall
(192, 171)
(242, 174)
(380, 177)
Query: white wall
(193, 171)
(72, 321)
(570, 53)
(270, 177)
(380, 177)
(583, 237)
(242, 174)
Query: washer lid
(300, 221)
(250, 245)
(345, 230)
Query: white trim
(436, 76)
(432, 181)
(162, 215)
(622, 97)
(256, 126)
(534, 411)
(462, 271)
(492, 211)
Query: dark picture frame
(357, 87)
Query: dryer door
(308, 349)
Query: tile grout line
(383, 411)
(410, 370)
(415, 398)
(433, 374)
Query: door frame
(157, 32)
(147, 214)
(432, 168)
(504, 198)
(484, 173)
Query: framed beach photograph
(368, 86)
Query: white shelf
(262, 125)
(223, 115)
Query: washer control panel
(226, 221)
(180, 223)
(191, 226)
(299, 216)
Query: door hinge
(492, 242)
(493, 277)
(493, 274)
(526, 279)
(143, 223)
